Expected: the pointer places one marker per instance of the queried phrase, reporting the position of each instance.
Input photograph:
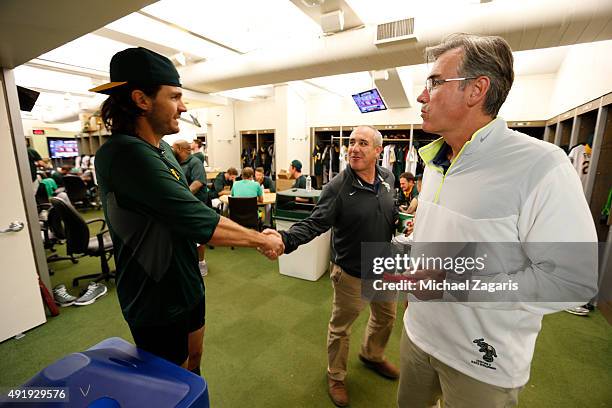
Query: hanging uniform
(317, 157)
(343, 157)
(580, 156)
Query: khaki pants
(347, 305)
(424, 380)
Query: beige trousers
(347, 305)
(424, 380)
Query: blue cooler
(114, 373)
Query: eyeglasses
(432, 83)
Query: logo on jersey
(489, 354)
(175, 174)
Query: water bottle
(308, 184)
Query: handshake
(273, 245)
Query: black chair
(76, 190)
(52, 232)
(78, 240)
(41, 195)
(243, 211)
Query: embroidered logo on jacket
(175, 174)
(488, 356)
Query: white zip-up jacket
(503, 186)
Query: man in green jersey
(154, 219)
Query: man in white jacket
(484, 183)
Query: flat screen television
(369, 101)
(61, 148)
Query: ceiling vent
(395, 31)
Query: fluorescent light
(90, 51)
(243, 25)
(30, 77)
(141, 26)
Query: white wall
(529, 98)
(292, 137)
(256, 115)
(223, 139)
(584, 75)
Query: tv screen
(369, 101)
(60, 148)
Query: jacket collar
(379, 178)
(482, 142)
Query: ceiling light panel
(30, 77)
(138, 25)
(243, 25)
(89, 51)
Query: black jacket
(355, 213)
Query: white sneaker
(578, 310)
(203, 268)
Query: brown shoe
(337, 392)
(383, 368)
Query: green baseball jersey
(155, 223)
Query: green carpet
(266, 335)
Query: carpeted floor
(266, 336)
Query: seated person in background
(49, 183)
(221, 186)
(58, 176)
(264, 181)
(247, 187)
(224, 181)
(295, 172)
(407, 194)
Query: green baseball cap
(297, 164)
(141, 66)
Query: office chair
(52, 232)
(243, 211)
(41, 195)
(76, 190)
(78, 240)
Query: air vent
(395, 31)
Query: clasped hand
(273, 246)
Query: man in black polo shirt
(358, 205)
(154, 219)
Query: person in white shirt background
(478, 354)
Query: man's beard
(159, 125)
